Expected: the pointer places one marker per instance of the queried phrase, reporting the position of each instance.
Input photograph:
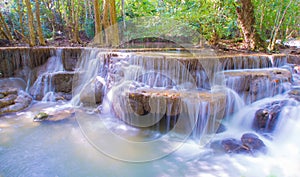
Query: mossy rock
(40, 117)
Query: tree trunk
(20, 12)
(98, 27)
(75, 21)
(246, 19)
(4, 28)
(114, 28)
(272, 43)
(51, 18)
(39, 25)
(30, 24)
(106, 21)
(123, 14)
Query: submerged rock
(40, 117)
(249, 144)
(266, 118)
(54, 116)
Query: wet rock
(62, 82)
(295, 93)
(166, 106)
(266, 118)
(40, 117)
(59, 82)
(249, 144)
(8, 91)
(7, 100)
(92, 93)
(1, 96)
(253, 85)
(154, 79)
(14, 83)
(232, 145)
(70, 58)
(295, 59)
(54, 116)
(221, 128)
(20, 102)
(253, 143)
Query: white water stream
(82, 145)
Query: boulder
(92, 93)
(7, 100)
(253, 143)
(15, 102)
(249, 144)
(231, 145)
(266, 118)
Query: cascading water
(42, 88)
(125, 81)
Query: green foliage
(212, 19)
(89, 28)
(268, 13)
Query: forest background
(254, 25)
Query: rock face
(295, 93)
(266, 118)
(62, 82)
(92, 93)
(249, 144)
(13, 100)
(253, 85)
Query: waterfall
(90, 73)
(42, 89)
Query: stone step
(166, 109)
(58, 82)
(256, 84)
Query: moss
(40, 117)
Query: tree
(30, 24)
(246, 19)
(106, 21)
(98, 25)
(39, 26)
(278, 22)
(114, 25)
(75, 21)
(4, 30)
(20, 13)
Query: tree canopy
(252, 21)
